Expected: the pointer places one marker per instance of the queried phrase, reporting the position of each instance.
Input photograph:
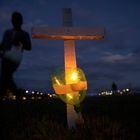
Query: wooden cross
(69, 34)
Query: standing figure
(114, 88)
(14, 42)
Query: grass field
(106, 118)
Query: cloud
(113, 58)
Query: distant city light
(50, 95)
(32, 98)
(127, 89)
(39, 98)
(13, 97)
(27, 91)
(118, 92)
(123, 90)
(24, 98)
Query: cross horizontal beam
(65, 33)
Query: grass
(106, 118)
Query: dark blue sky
(116, 58)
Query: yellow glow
(57, 81)
(14, 97)
(74, 76)
(69, 96)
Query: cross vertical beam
(69, 54)
(70, 64)
(67, 17)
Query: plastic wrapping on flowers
(70, 86)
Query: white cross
(69, 34)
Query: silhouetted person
(14, 42)
(114, 87)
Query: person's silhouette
(13, 43)
(114, 87)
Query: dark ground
(106, 118)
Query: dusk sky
(116, 58)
